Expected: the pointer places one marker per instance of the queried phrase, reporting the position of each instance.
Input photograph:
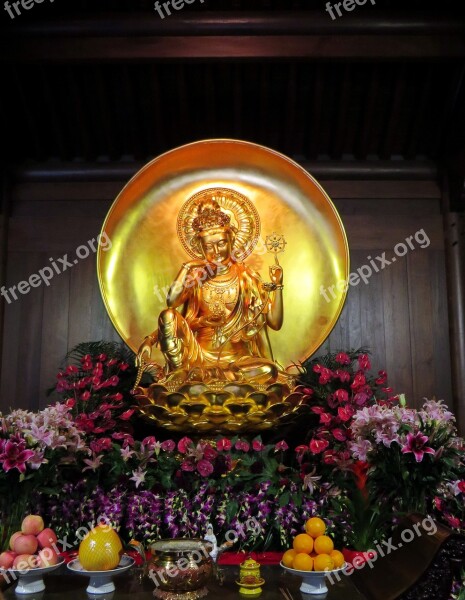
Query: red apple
(24, 562)
(7, 559)
(13, 537)
(32, 525)
(47, 557)
(47, 538)
(25, 544)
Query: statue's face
(217, 247)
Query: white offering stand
(30, 581)
(314, 582)
(101, 582)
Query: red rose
(461, 486)
(341, 395)
(325, 418)
(127, 415)
(364, 362)
(258, 446)
(382, 378)
(345, 413)
(342, 358)
(339, 434)
(359, 381)
(325, 376)
(318, 446)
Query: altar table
(63, 585)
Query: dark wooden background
(401, 315)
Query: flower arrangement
(339, 385)
(83, 458)
(410, 453)
(95, 383)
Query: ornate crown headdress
(213, 208)
(210, 217)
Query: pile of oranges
(313, 550)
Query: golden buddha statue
(215, 326)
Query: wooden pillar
(454, 234)
(4, 218)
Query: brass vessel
(181, 568)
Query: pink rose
(258, 446)
(168, 445)
(205, 468)
(339, 434)
(183, 444)
(187, 465)
(223, 444)
(242, 445)
(281, 446)
(209, 453)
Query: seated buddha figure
(215, 326)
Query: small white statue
(211, 537)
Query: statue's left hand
(276, 274)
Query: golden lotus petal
(260, 398)
(239, 390)
(176, 399)
(193, 390)
(216, 398)
(294, 399)
(241, 406)
(278, 389)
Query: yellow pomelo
(101, 549)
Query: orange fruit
(324, 544)
(288, 558)
(303, 562)
(303, 543)
(101, 549)
(323, 562)
(337, 558)
(315, 527)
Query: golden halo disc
(146, 253)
